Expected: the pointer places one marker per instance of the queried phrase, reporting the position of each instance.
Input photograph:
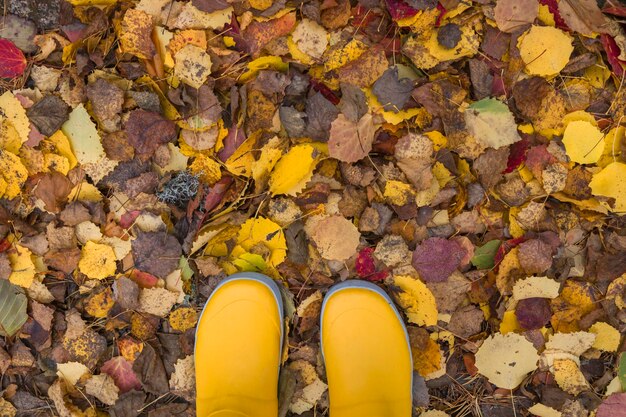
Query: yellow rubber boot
(366, 352)
(238, 349)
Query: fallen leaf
(611, 183)
(512, 15)
(506, 359)
(71, 372)
(491, 123)
(436, 258)
(121, 371)
(545, 50)
(262, 231)
(193, 65)
(103, 388)
(13, 305)
(12, 60)
(97, 260)
(584, 142)
(83, 136)
(156, 252)
(183, 319)
(136, 34)
(336, 237)
(416, 300)
(293, 170)
(542, 287)
(607, 337)
(156, 301)
(349, 141)
(484, 256)
(392, 91)
(147, 130)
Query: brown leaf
(259, 34)
(49, 114)
(436, 258)
(106, 99)
(53, 189)
(136, 34)
(157, 253)
(149, 366)
(147, 130)
(535, 256)
(349, 141)
(364, 70)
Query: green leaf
(185, 269)
(484, 255)
(621, 373)
(12, 308)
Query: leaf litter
(466, 157)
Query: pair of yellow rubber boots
(239, 344)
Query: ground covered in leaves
(466, 156)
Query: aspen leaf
(12, 60)
(71, 371)
(97, 260)
(611, 182)
(533, 287)
(267, 233)
(491, 123)
(568, 376)
(83, 136)
(545, 50)
(13, 305)
(336, 237)
(584, 142)
(607, 336)
(13, 175)
(157, 301)
(183, 319)
(416, 300)
(349, 141)
(293, 170)
(193, 65)
(12, 110)
(310, 38)
(512, 15)
(136, 34)
(103, 388)
(23, 268)
(506, 359)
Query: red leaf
(612, 53)
(400, 10)
(366, 267)
(216, 193)
(12, 60)
(615, 11)
(436, 258)
(128, 218)
(143, 279)
(505, 247)
(122, 373)
(517, 155)
(613, 406)
(442, 12)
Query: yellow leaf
(92, 2)
(416, 300)
(83, 136)
(183, 319)
(545, 50)
(98, 305)
(22, 266)
(242, 160)
(340, 57)
(611, 182)
(135, 34)
(12, 110)
(294, 170)
(538, 409)
(206, 169)
(193, 65)
(187, 37)
(607, 337)
(266, 233)
(85, 191)
(584, 142)
(426, 359)
(9, 137)
(97, 260)
(270, 154)
(438, 139)
(63, 147)
(264, 62)
(509, 323)
(506, 359)
(398, 192)
(13, 175)
(569, 377)
(54, 162)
